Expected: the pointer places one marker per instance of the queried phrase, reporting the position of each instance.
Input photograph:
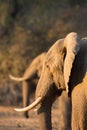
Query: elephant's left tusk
(35, 103)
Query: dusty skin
(11, 120)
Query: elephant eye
(47, 66)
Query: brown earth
(11, 120)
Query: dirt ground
(11, 120)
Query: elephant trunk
(44, 114)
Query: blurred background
(29, 27)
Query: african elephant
(64, 69)
(29, 79)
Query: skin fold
(64, 69)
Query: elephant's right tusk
(16, 78)
(35, 103)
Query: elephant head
(57, 67)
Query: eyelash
(47, 66)
(49, 69)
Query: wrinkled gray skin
(64, 68)
(30, 78)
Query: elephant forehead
(55, 51)
(55, 62)
(57, 45)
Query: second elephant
(30, 79)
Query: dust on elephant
(30, 79)
(64, 69)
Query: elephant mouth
(35, 103)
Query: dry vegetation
(29, 27)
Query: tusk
(16, 78)
(35, 103)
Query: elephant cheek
(44, 86)
(59, 80)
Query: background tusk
(15, 78)
(35, 103)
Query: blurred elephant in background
(64, 69)
(30, 79)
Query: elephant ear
(72, 45)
